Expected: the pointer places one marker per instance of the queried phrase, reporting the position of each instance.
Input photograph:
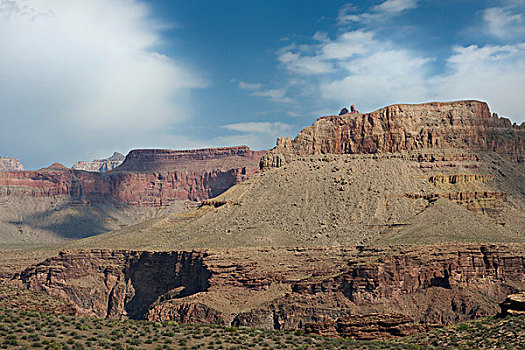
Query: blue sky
(81, 79)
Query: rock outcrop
(54, 203)
(398, 128)
(101, 165)
(146, 178)
(320, 290)
(10, 164)
(366, 327)
(118, 284)
(513, 304)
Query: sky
(81, 79)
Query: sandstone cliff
(100, 165)
(10, 164)
(397, 128)
(288, 288)
(78, 203)
(147, 177)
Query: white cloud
(275, 95)
(293, 114)
(249, 86)
(372, 72)
(396, 6)
(363, 69)
(381, 78)
(76, 75)
(298, 63)
(358, 42)
(492, 73)
(259, 127)
(381, 12)
(503, 24)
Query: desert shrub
(463, 327)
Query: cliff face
(118, 284)
(289, 288)
(191, 160)
(57, 203)
(396, 128)
(10, 164)
(100, 165)
(146, 178)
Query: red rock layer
(147, 177)
(461, 124)
(421, 285)
(225, 158)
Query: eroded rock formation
(121, 283)
(10, 164)
(513, 304)
(397, 128)
(101, 165)
(57, 203)
(366, 327)
(288, 288)
(146, 178)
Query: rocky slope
(404, 193)
(10, 164)
(289, 288)
(397, 128)
(56, 201)
(101, 165)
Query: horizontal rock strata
(288, 288)
(146, 178)
(398, 128)
(513, 304)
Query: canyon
(306, 196)
(147, 184)
(369, 226)
(288, 288)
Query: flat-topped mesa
(404, 127)
(10, 164)
(147, 177)
(207, 159)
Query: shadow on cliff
(71, 220)
(157, 277)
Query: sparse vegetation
(60, 332)
(485, 333)
(36, 328)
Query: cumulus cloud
(503, 23)
(367, 69)
(359, 66)
(492, 73)
(81, 77)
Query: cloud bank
(81, 77)
(359, 65)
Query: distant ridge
(100, 165)
(404, 174)
(10, 164)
